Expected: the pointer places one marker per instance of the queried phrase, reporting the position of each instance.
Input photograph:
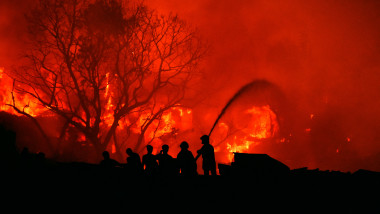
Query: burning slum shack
(90, 76)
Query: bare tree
(94, 63)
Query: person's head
(41, 156)
(149, 149)
(106, 155)
(184, 145)
(205, 139)
(25, 150)
(129, 151)
(165, 148)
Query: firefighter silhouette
(208, 156)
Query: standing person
(186, 160)
(108, 162)
(166, 162)
(208, 156)
(149, 161)
(134, 162)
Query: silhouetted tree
(95, 63)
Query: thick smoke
(322, 54)
(13, 30)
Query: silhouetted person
(108, 162)
(186, 160)
(9, 156)
(40, 161)
(134, 161)
(166, 162)
(208, 156)
(149, 161)
(41, 158)
(25, 158)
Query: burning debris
(102, 68)
(256, 125)
(109, 75)
(248, 120)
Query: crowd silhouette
(164, 164)
(150, 164)
(252, 180)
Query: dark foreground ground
(75, 186)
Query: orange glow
(172, 120)
(261, 124)
(113, 148)
(23, 101)
(322, 56)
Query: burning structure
(104, 66)
(108, 75)
(113, 76)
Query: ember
(25, 103)
(109, 75)
(121, 68)
(253, 127)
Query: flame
(261, 124)
(113, 149)
(257, 123)
(23, 101)
(172, 120)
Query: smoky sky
(309, 47)
(324, 56)
(13, 29)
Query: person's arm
(143, 162)
(117, 163)
(158, 156)
(199, 154)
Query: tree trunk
(111, 132)
(99, 148)
(118, 152)
(140, 140)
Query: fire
(261, 125)
(23, 101)
(169, 123)
(158, 127)
(247, 130)
(256, 125)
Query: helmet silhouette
(205, 139)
